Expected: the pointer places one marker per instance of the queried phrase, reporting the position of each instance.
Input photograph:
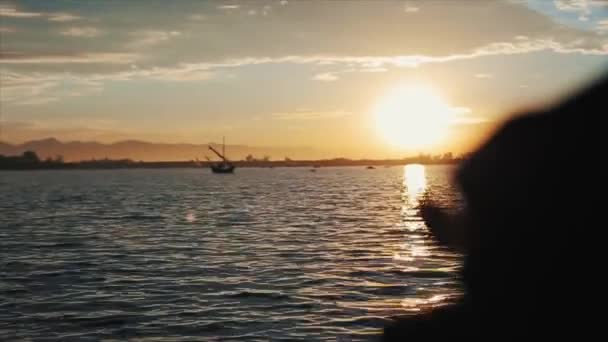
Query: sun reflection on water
(417, 249)
(414, 182)
(414, 187)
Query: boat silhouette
(224, 166)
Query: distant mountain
(146, 151)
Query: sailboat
(224, 166)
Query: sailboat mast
(224, 146)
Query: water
(183, 254)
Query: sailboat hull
(222, 168)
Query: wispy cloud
(579, 6)
(188, 72)
(147, 38)
(306, 114)
(372, 70)
(38, 89)
(173, 74)
(20, 88)
(11, 11)
(197, 17)
(469, 120)
(7, 29)
(583, 8)
(602, 25)
(228, 7)
(24, 88)
(325, 77)
(411, 9)
(364, 63)
(376, 63)
(7, 10)
(86, 32)
(62, 17)
(581, 46)
(461, 110)
(82, 58)
(463, 116)
(483, 75)
(37, 101)
(17, 86)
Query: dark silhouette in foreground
(522, 233)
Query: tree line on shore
(31, 160)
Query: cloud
(38, 88)
(204, 70)
(10, 11)
(172, 74)
(7, 29)
(147, 38)
(325, 77)
(86, 32)
(579, 6)
(81, 58)
(7, 10)
(211, 51)
(305, 114)
(252, 12)
(373, 70)
(467, 31)
(461, 110)
(378, 63)
(62, 17)
(25, 88)
(284, 2)
(411, 9)
(31, 88)
(197, 17)
(583, 8)
(185, 72)
(37, 101)
(462, 116)
(582, 46)
(469, 120)
(228, 7)
(482, 75)
(602, 25)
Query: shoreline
(121, 164)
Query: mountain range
(145, 151)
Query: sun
(412, 116)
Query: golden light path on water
(417, 244)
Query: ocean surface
(184, 254)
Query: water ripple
(284, 254)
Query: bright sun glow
(412, 117)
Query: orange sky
(286, 74)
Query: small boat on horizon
(224, 166)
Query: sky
(286, 73)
